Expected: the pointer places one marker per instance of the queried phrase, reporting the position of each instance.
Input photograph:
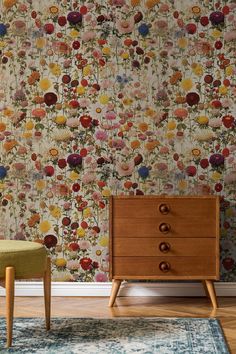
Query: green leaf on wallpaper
(39, 126)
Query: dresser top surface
(164, 196)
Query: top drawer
(151, 207)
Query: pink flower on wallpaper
(101, 277)
(125, 168)
(101, 135)
(125, 26)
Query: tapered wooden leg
(9, 283)
(47, 293)
(205, 288)
(114, 291)
(211, 290)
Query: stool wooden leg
(114, 291)
(47, 293)
(211, 290)
(9, 284)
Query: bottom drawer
(164, 267)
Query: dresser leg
(211, 290)
(205, 288)
(114, 291)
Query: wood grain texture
(189, 226)
(150, 227)
(10, 281)
(199, 267)
(178, 247)
(47, 293)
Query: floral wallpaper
(113, 97)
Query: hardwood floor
(132, 306)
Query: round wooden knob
(164, 208)
(164, 227)
(164, 247)
(164, 266)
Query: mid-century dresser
(164, 238)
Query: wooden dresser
(164, 238)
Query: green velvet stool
(23, 260)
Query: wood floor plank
(133, 306)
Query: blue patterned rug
(116, 336)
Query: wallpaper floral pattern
(113, 97)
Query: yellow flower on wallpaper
(196, 152)
(104, 241)
(186, 84)
(55, 69)
(170, 135)
(182, 185)
(171, 125)
(27, 135)
(40, 184)
(216, 33)
(2, 44)
(223, 90)
(106, 50)
(150, 112)
(106, 192)
(135, 2)
(40, 42)
(55, 211)
(182, 42)
(87, 70)
(73, 176)
(81, 90)
(87, 212)
(127, 101)
(44, 226)
(54, 9)
(29, 125)
(216, 176)
(124, 55)
(45, 84)
(2, 186)
(8, 112)
(74, 33)
(104, 99)
(203, 120)
(197, 69)
(229, 70)
(60, 262)
(9, 3)
(60, 120)
(80, 232)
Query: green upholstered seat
(28, 258)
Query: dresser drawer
(160, 247)
(193, 226)
(152, 207)
(149, 267)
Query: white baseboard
(26, 288)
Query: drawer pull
(164, 208)
(164, 267)
(164, 247)
(164, 228)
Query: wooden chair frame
(10, 286)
